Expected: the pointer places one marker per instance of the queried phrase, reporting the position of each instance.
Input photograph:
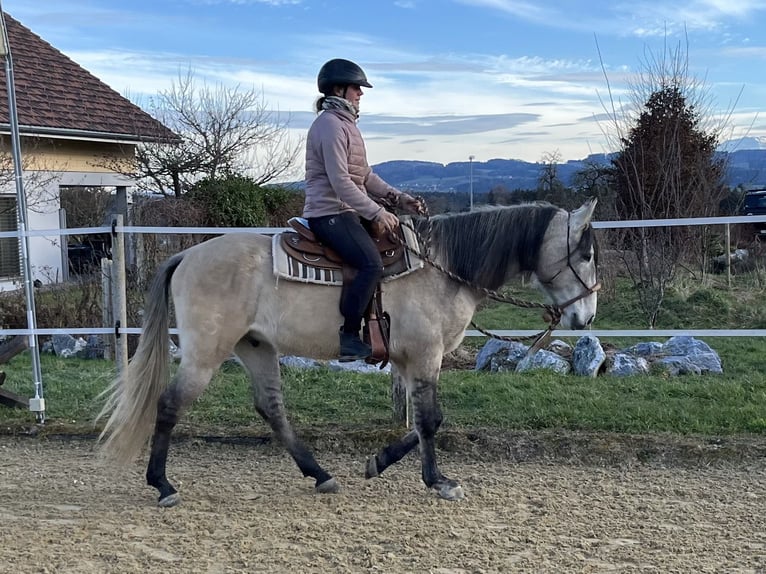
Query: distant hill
(745, 166)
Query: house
(74, 130)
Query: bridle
(558, 310)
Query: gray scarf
(337, 103)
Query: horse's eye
(587, 257)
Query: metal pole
(470, 178)
(36, 404)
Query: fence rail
(128, 229)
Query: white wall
(45, 255)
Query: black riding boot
(352, 348)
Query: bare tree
(548, 179)
(667, 167)
(221, 130)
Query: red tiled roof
(56, 95)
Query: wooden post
(728, 255)
(400, 398)
(119, 295)
(107, 306)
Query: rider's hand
(412, 205)
(386, 221)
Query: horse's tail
(132, 397)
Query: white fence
(122, 230)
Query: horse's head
(566, 269)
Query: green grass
(728, 404)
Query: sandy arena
(246, 509)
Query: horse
(228, 301)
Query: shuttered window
(9, 246)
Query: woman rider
(339, 186)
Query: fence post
(119, 295)
(399, 397)
(728, 255)
(107, 305)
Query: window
(9, 246)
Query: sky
(512, 79)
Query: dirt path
(246, 509)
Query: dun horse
(228, 300)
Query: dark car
(755, 204)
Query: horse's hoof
(449, 490)
(372, 468)
(329, 486)
(170, 500)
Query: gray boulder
(490, 349)
(624, 365)
(544, 359)
(507, 360)
(588, 356)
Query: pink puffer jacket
(338, 177)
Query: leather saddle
(303, 245)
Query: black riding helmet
(340, 72)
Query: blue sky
(453, 78)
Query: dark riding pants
(347, 236)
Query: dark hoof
(372, 468)
(449, 490)
(329, 486)
(170, 500)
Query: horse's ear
(583, 214)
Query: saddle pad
(287, 267)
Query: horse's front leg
(428, 418)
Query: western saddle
(304, 246)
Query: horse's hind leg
(187, 385)
(262, 363)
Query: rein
(553, 313)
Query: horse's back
(218, 282)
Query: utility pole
(470, 178)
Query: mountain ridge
(745, 167)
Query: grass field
(728, 404)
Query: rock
(94, 348)
(644, 349)
(624, 365)
(677, 365)
(685, 345)
(544, 359)
(490, 348)
(64, 345)
(357, 367)
(506, 360)
(588, 356)
(298, 362)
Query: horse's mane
(480, 246)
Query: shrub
(237, 201)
